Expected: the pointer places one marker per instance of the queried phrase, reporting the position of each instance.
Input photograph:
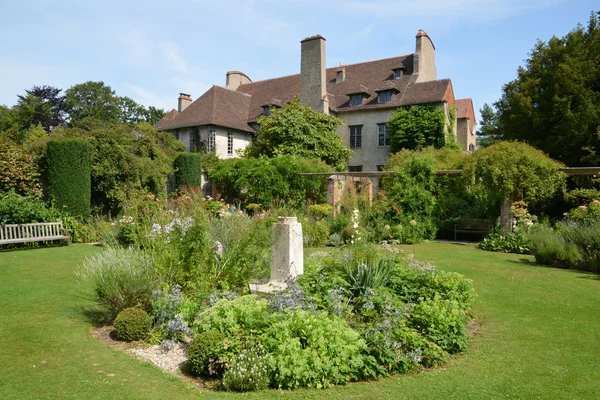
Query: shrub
(315, 234)
(188, 169)
(550, 248)
(512, 242)
(121, 278)
(443, 322)
(248, 371)
(17, 209)
(132, 324)
(314, 350)
(320, 211)
(421, 281)
(584, 234)
(246, 314)
(19, 171)
(69, 175)
(203, 354)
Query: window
(194, 140)
(471, 147)
(356, 136)
(385, 96)
(356, 99)
(267, 111)
(229, 142)
(398, 72)
(380, 167)
(383, 138)
(355, 168)
(176, 134)
(211, 140)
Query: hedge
(188, 169)
(69, 175)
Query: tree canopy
(416, 127)
(300, 131)
(514, 169)
(554, 103)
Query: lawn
(539, 336)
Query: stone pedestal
(287, 255)
(506, 215)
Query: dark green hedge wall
(69, 175)
(188, 169)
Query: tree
(130, 112)
(554, 104)
(153, 115)
(514, 171)
(299, 130)
(416, 127)
(92, 100)
(488, 132)
(42, 105)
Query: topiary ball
(132, 324)
(203, 348)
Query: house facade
(363, 95)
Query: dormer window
(356, 99)
(384, 97)
(397, 73)
(267, 111)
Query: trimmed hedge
(132, 324)
(188, 169)
(69, 175)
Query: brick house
(363, 95)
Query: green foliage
(121, 278)
(17, 209)
(19, 171)
(270, 181)
(511, 242)
(69, 178)
(203, 353)
(132, 324)
(363, 276)
(232, 317)
(488, 132)
(43, 106)
(320, 211)
(188, 169)
(409, 201)
(125, 158)
(550, 248)
(314, 350)
(315, 233)
(300, 131)
(92, 100)
(442, 321)
(416, 127)
(554, 103)
(420, 281)
(514, 169)
(248, 371)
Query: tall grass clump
(121, 278)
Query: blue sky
(152, 50)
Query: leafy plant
(132, 324)
(248, 371)
(416, 127)
(18, 209)
(121, 278)
(203, 354)
(511, 242)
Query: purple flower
(219, 250)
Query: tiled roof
(166, 119)
(236, 109)
(218, 106)
(465, 110)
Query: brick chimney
(424, 58)
(313, 84)
(183, 101)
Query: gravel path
(170, 361)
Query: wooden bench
(474, 226)
(38, 232)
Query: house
(363, 95)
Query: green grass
(539, 336)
